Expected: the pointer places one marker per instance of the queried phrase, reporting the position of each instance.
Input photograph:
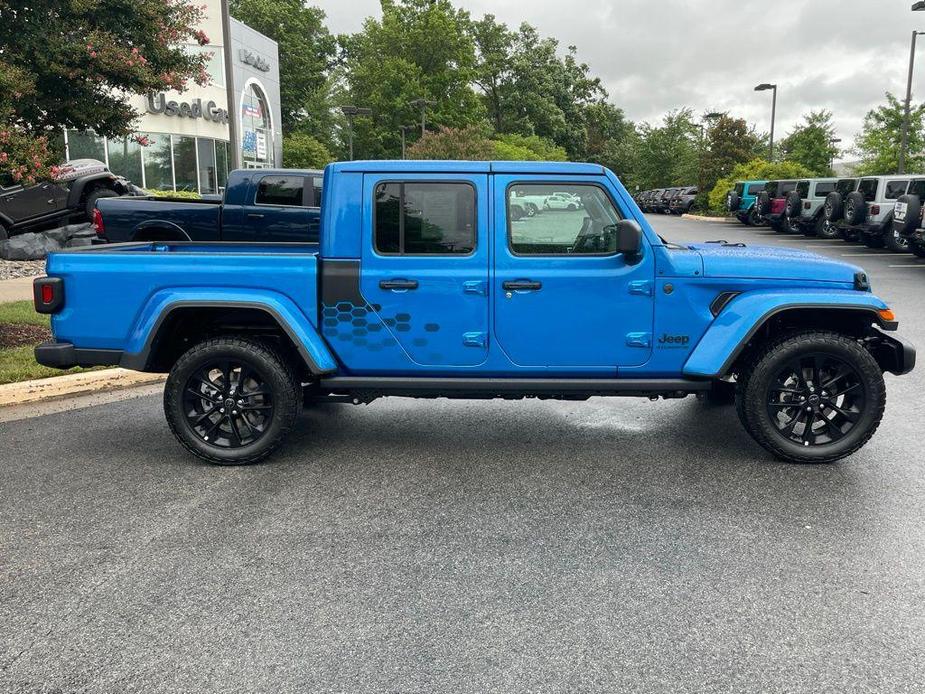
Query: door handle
(254, 215)
(522, 285)
(398, 284)
(51, 202)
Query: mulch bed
(22, 334)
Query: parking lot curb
(700, 218)
(73, 384)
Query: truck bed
(130, 284)
(200, 219)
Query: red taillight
(875, 209)
(48, 294)
(97, 222)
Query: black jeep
(71, 196)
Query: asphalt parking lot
(614, 545)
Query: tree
(728, 142)
(532, 148)
(668, 154)
(307, 53)
(810, 143)
(302, 151)
(469, 143)
(68, 64)
(754, 170)
(419, 49)
(880, 138)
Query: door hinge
(478, 287)
(475, 339)
(639, 339)
(641, 287)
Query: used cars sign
(158, 103)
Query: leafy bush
(756, 169)
(302, 151)
(469, 143)
(529, 148)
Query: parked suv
(683, 201)
(741, 201)
(663, 200)
(833, 209)
(869, 211)
(907, 217)
(772, 200)
(803, 207)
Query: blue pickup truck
(259, 205)
(426, 285)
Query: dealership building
(188, 145)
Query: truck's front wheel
(231, 400)
(813, 397)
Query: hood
(772, 262)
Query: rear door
(424, 269)
(32, 202)
(277, 209)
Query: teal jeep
(741, 201)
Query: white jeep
(804, 207)
(869, 212)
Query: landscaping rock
(29, 246)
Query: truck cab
(427, 284)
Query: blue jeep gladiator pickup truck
(259, 205)
(425, 285)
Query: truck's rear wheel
(232, 401)
(95, 195)
(813, 397)
(894, 241)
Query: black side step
(511, 387)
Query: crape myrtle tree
(728, 142)
(68, 64)
(880, 138)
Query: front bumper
(893, 353)
(64, 355)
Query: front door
(564, 298)
(424, 270)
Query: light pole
(423, 104)
(352, 112)
(404, 133)
(709, 118)
(834, 141)
(764, 88)
(234, 113)
(907, 107)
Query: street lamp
(423, 104)
(763, 88)
(832, 142)
(404, 133)
(904, 144)
(352, 112)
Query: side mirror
(628, 237)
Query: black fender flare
(79, 186)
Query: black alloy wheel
(228, 403)
(815, 399)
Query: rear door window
(824, 188)
(868, 188)
(740, 187)
(286, 191)
(425, 218)
(894, 189)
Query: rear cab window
(425, 218)
(917, 187)
(868, 188)
(894, 189)
(589, 230)
(281, 191)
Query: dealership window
(554, 219)
(85, 145)
(125, 158)
(207, 178)
(184, 163)
(425, 218)
(221, 163)
(158, 162)
(214, 62)
(256, 128)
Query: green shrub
(176, 194)
(302, 151)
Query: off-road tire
(825, 229)
(95, 195)
(752, 395)
(895, 242)
(278, 375)
(918, 250)
(753, 218)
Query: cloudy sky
(654, 56)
